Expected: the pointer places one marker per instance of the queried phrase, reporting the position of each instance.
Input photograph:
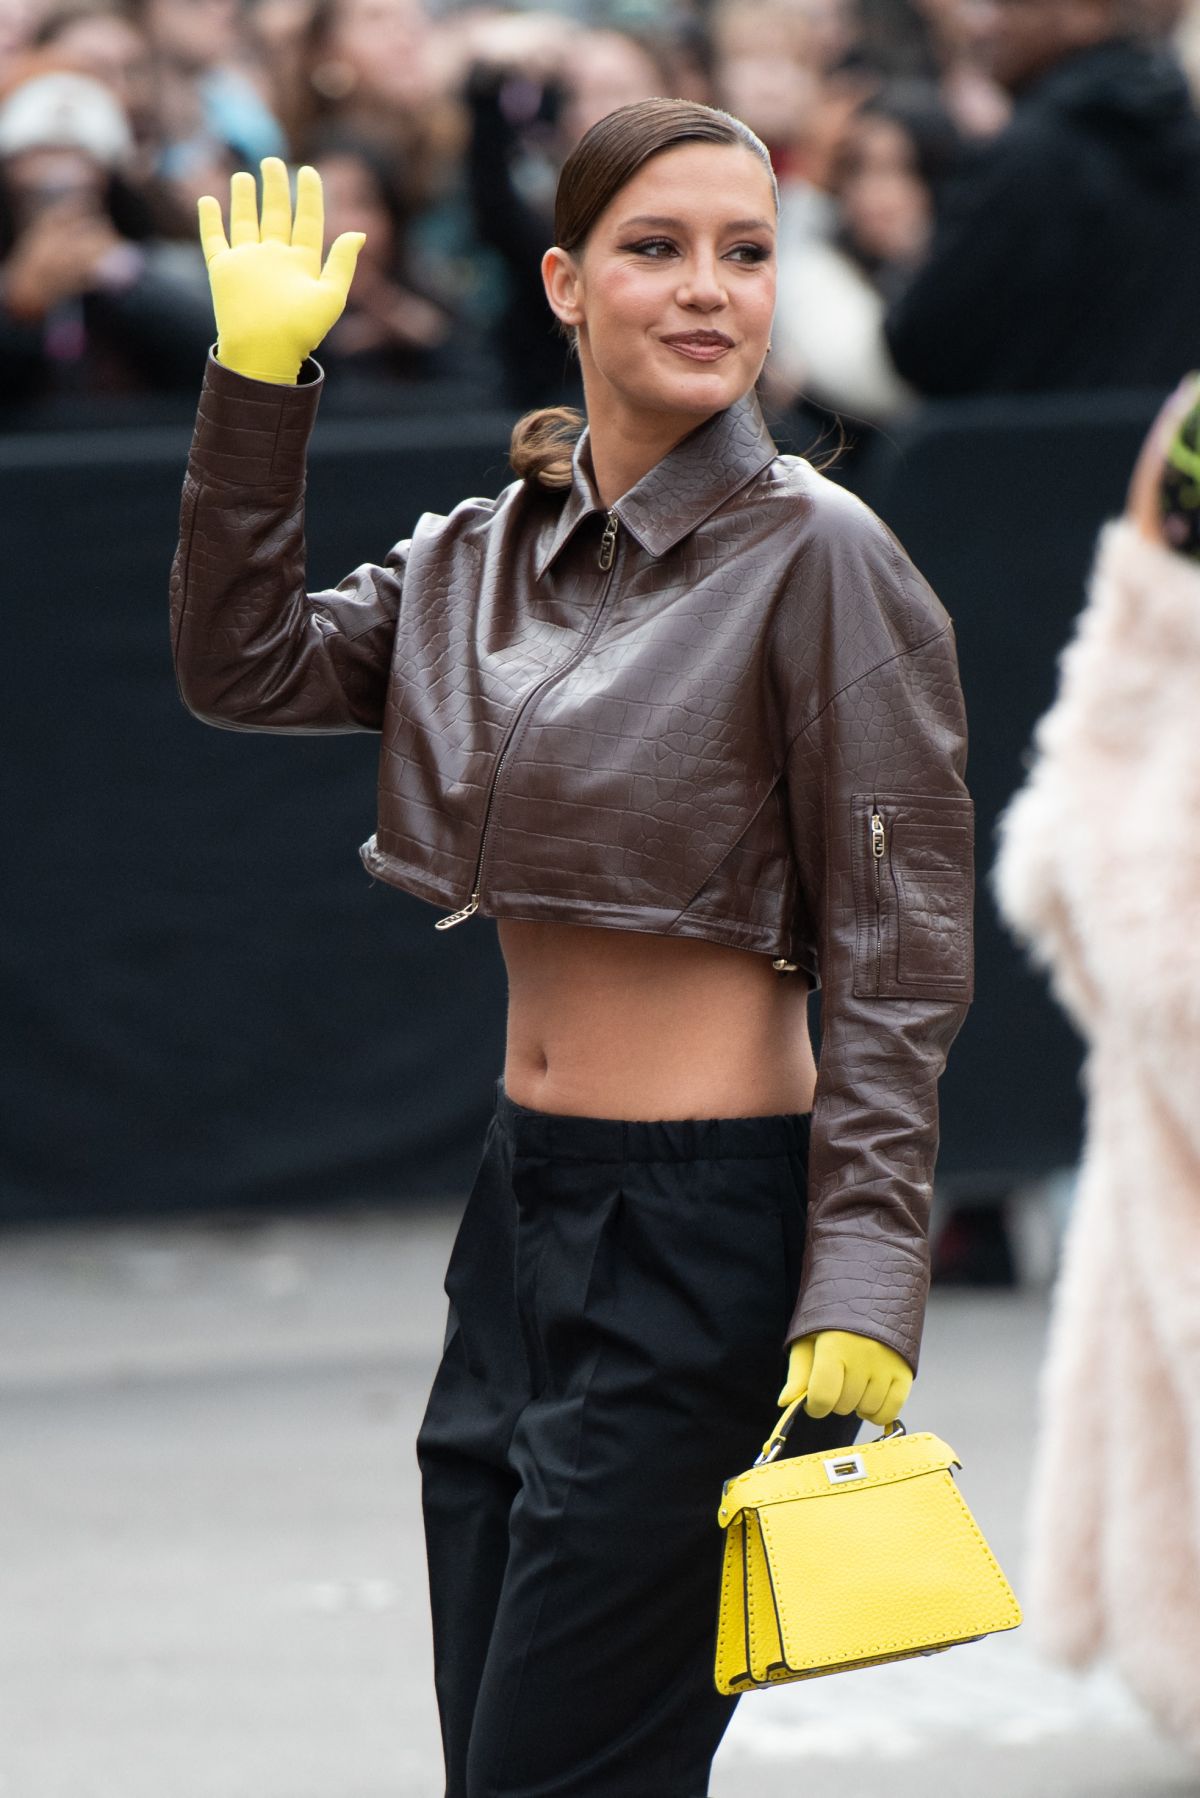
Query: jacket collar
(699, 474)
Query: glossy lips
(702, 346)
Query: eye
(649, 244)
(747, 253)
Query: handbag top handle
(778, 1436)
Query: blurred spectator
(275, 33)
(977, 98)
(17, 21)
(602, 70)
(773, 63)
(207, 98)
(88, 303)
(896, 39)
(771, 70)
(370, 68)
(828, 331)
(1184, 34)
(1067, 256)
(191, 167)
(537, 83)
(685, 50)
(389, 329)
(100, 38)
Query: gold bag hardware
(850, 1558)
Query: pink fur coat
(1099, 873)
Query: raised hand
(273, 300)
(844, 1372)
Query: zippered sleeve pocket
(914, 889)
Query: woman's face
(686, 247)
(195, 34)
(114, 51)
(604, 70)
(384, 44)
(884, 201)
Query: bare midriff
(625, 1024)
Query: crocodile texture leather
(748, 729)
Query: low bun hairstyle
(605, 158)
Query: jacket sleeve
(252, 649)
(883, 832)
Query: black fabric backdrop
(206, 1000)
(999, 502)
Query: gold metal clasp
(608, 543)
(878, 837)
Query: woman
(681, 716)
(372, 69)
(390, 330)
(1097, 876)
(90, 302)
(834, 289)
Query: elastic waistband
(563, 1137)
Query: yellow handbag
(846, 1559)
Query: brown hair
(602, 162)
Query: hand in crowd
(58, 256)
(273, 300)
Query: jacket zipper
(608, 545)
(878, 850)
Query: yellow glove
(843, 1372)
(273, 300)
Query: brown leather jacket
(727, 708)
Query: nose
(702, 286)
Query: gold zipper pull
(878, 839)
(456, 917)
(608, 542)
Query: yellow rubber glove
(843, 1372)
(273, 300)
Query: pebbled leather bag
(844, 1560)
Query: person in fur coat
(1098, 873)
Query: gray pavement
(211, 1568)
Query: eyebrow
(660, 220)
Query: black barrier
(206, 1001)
(999, 502)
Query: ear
(561, 279)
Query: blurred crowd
(973, 191)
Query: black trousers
(618, 1297)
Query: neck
(627, 441)
(623, 453)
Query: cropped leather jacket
(725, 707)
